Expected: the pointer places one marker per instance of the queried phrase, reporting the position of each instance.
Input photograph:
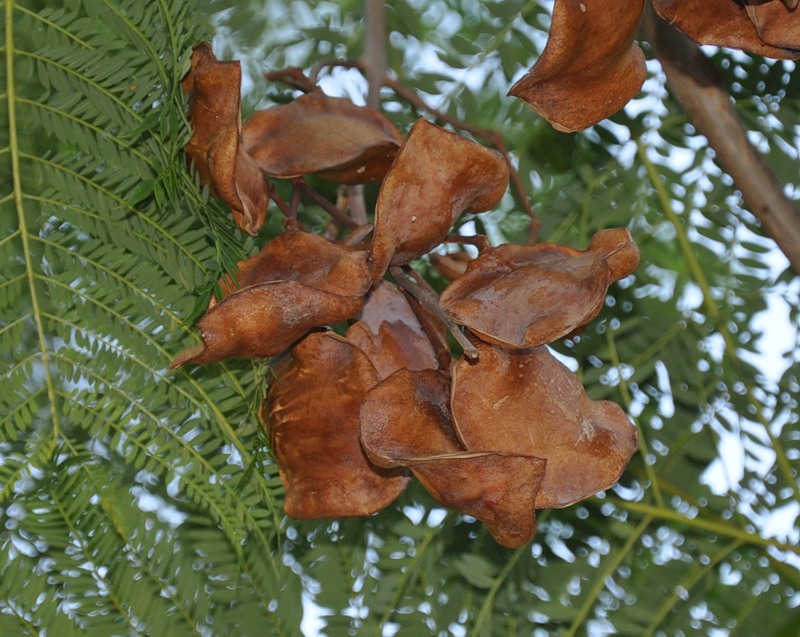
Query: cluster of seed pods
(495, 427)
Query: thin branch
(293, 77)
(294, 204)
(487, 608)
(374, 64)
(359, 235)
(356, 206)
(479, 240)
(374, 56)
(698, 89)
(429, 300)
(723, 529)
(326, 205)
(609, 567)
(335, 63)
(285, 208)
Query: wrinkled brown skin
(436, 176)
(264, 320)
(297, 282)
(214, 148)
(313, 427)
(317, 134)
(389, 333)
(527, 402)
(405, 422)
(517, 296)
(591, 66)
(777, 24)
(406, 418)
(722, 23)
(314, 261)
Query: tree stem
(698, 89)
(374, 56)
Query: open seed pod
(389, 332)
(312, 418)
(405, 422)
(436, 176)
(325, 135)
(519, 296)
(734, 24)
(265, 319)
(527, 402)
(308, 258)
(214, 148)
(591, 66)
(777, 23)
(297, 282)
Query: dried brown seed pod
(518, 296)
(405, 422)
(312, 418)
(736, 24)
(436, 176)
(297, 282)
(527, 402)
(389, 332)
(777, 24)
(214, 148)
(318, 134)
(591, 66)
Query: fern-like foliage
(125, 497)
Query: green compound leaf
(124, 488)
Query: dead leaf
(518, 296)
(214, 112)
(405, 422)
(312, 419)
(317, 134)
(436, 176)
(591, 66)
(388, 331)
(527, 402)
(721, 23)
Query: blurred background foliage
(137, 500)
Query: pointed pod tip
(619, 250)
(187, 356)
(519, 86)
